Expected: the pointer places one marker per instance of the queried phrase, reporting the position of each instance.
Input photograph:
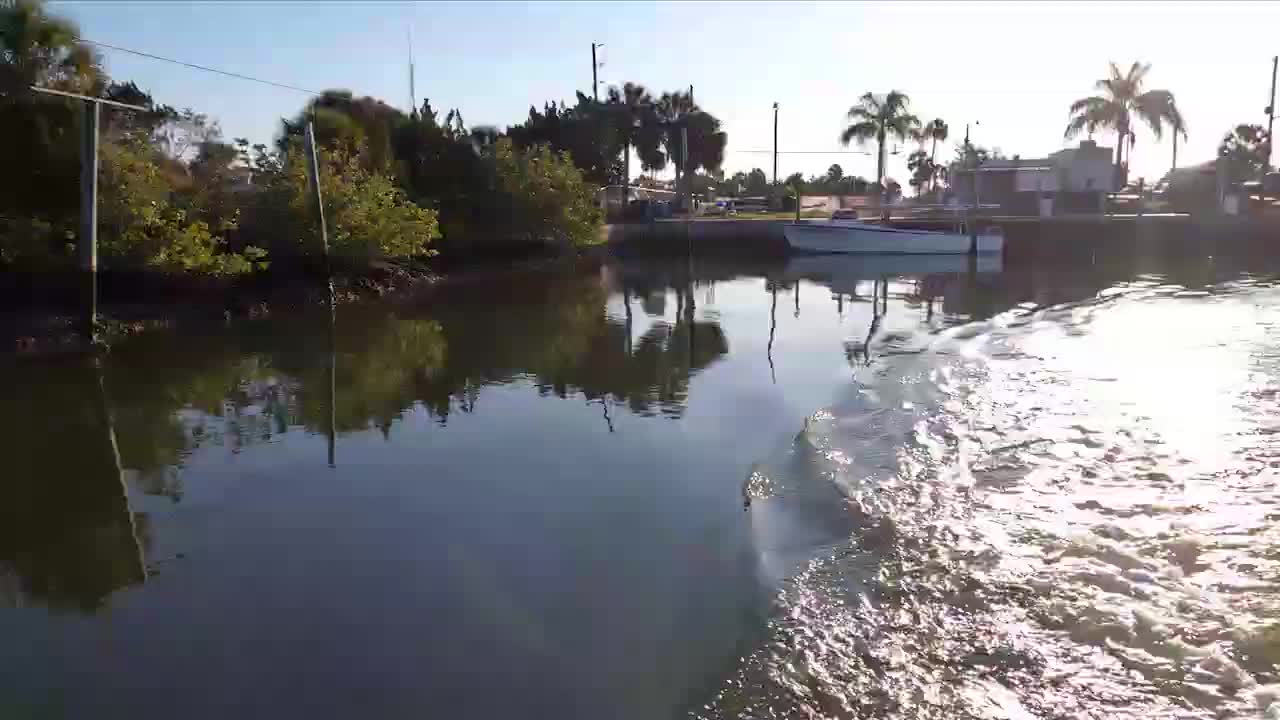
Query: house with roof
(1073, 180)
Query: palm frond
(901, 126)
(861, 132)
(1090, 103)
(895, 102)
(1137, 73)
(1154, 109)
(858, 112)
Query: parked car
(845, 214)
(722, 208)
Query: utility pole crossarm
(77, 96)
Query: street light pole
(595, 82)
(775, 143)
(1271, 110)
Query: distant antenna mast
(413, 97)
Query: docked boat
(858, 237)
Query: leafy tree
(878, 118)
(39, 134)
(368, 216)
(932, 132)
(922, 170)
(590, 132)
(142, 228)
(1244, 152)
(546, 195)
(1123, 98)
(118, 122)
(184, 132)
(363, 125)
(39, 49)
(757, 183)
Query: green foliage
(174, 196)
(923, 170)
(368, 217)
(140, 227)
(590, 133)
(546, 195)
(1244, 151)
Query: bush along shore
(186, 217)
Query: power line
(812, 152)
(194, 66)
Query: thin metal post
(684, 166)
(595, 82)
(333, 386)
(313, 176)
(88, 245)
(775, 144)
(1271, 110)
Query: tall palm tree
(633, 112)
(879, 117)
(1121, 100)
(931, 132)
(673, 107)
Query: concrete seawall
(750, 237)
(1025, 238)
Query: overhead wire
(205, 68)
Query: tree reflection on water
(67, 535)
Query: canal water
(825, 489)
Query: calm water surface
(834, 489)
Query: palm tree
(879, 117)
(1179, 127)
(672, 108)
(634, 114)
(1122, 98)
(933, 131)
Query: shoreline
(39, 317)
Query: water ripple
(1078, 521)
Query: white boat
(857, 237)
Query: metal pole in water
(88, 250)
(313, 176)
(333, 390)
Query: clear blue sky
(1014, 68)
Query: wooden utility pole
(595, 81)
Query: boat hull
(861, 238)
